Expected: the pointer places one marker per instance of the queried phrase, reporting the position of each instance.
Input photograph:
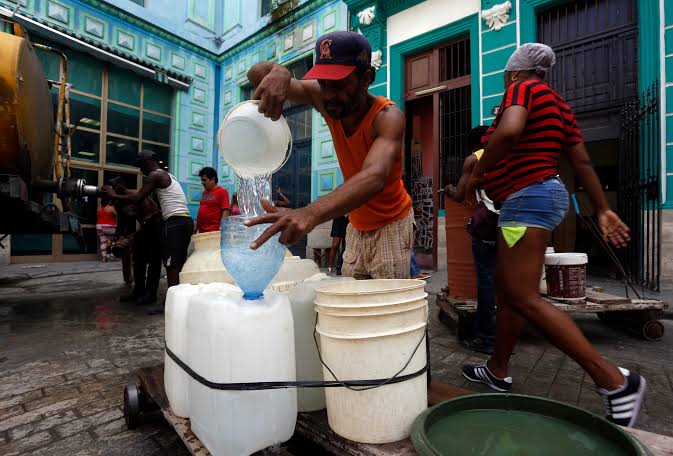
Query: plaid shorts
(380, 254)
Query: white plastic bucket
(369, 330)
(253, 144)
(543, 277)
(566, 275)
(392, 322)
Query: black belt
(256, 386)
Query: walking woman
(106, 225)
(518, 170)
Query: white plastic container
(543, 277)
(176, 380)
(252, 144)
(204, 265)
(296, 269)
(566, 275)
(235, 341)
(309, 368)
(369, 330)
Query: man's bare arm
(274, 85)
(371, 180)
(356, 191)
(152, 181)
(458, 193)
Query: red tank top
(393, 203)
(106, 217)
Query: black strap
(256, 386)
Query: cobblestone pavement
(68, 347)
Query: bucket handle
(383, 382)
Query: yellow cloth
(513, 234)
(478, 154)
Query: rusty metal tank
(462, 282)
(26, 114)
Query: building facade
(167, 72)
(445, 64)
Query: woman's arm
(510, 126)
(609, 222)
(584, 170)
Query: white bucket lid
(565, 259)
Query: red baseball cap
(338, 54)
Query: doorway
(438, 100)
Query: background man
(214, 202)
(143, 245)
(368, 133)
(177, 226)
(338, 235)
(483, 252)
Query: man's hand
(109, 191)
(473, 183)
(272, 92)
(613, 229)
(293, 223)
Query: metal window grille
(640, 187)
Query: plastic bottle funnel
(252, 270)
(252, 144)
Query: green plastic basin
(517, 425)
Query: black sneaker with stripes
(623, 404)
(479, 373)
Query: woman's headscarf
(536, 57)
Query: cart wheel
(603, 316)
(131, 405)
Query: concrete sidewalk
(15, 273)
(68, 347)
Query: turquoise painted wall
(498, 46)
(295, 41)
(667, 24)
(193, 110)
(177, 35)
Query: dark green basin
(517, 425)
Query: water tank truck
(37, 192)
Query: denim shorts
(543, 205)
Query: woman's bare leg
(518, 281)
(508, 326)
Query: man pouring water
(367, 132)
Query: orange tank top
(393, 203)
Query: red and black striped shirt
(550, 128)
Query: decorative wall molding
(58, 12)
(307, 32)
(153, 51)
(94, 27)
(199, 95)
(377, 59)
(200, 71)
(126, 40)
(177, 61)
(496, 16)
(367, 15)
